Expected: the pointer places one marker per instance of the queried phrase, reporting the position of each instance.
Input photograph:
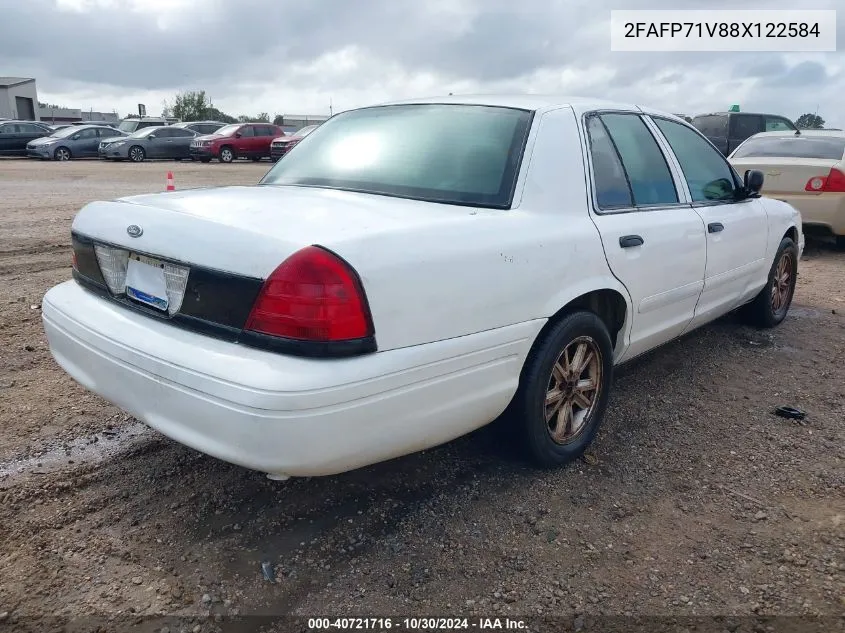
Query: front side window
(823, 147)
(87, 134)
(708, 175)
(644, 163)
(246, 131)
(778, 124)
(447, 153)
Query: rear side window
(708, 174)
(648, 174)
(712, 125)
(612, 189)
(826, 148)
(745, 125)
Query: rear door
(653, 239)
(181, 142)
(741, 127)
(737, 228)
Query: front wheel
(563, 390)
(227, 155)
(137, 154)
(61, 153)
(771, 305)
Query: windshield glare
(827, 148)
(456, 154)
(143, 132)
(65, 132)
(228, 130)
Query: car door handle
(715, 227)
(627, 241)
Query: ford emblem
(134, 230)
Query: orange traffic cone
(170, 186)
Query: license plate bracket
(146, 282)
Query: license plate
(145, 281)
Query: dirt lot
(695, 501)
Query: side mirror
(151, 136)
(753, 181)
(238, 134)
(75, 137)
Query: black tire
(205, 160)
(764, 311)
(137, 154)
(62, 153)
(528, 413)
(256, 159)
(227, 154)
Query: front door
(737, 227)
(244, 144)
(86, 145)
(653, 239)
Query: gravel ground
(696, 507)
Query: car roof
(535, 102)
(735, 113)
(805, 133)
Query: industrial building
(18, 98)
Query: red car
(238, 140)
(284, 144)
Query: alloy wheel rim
(573, 390)
(62, 154)
(227, 155)
(782, 283)
(136, 154)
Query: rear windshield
(455, 154)
(828, 148)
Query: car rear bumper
(281, 414)
(824, 209)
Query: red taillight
(312, 296)
(834, 182)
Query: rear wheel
(563, 390)
(137, 154)
(227, 154)
(62, 153)
(771, 305)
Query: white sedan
(413, 271)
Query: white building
(18, 98)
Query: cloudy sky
(295, 56)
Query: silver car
(164, 141)
(75, 141)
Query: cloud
(294, 57)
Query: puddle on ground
(86, 450)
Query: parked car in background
(726, 130)
(283, 144)
(807, 170)
(15, 135)
(137, 123)
(111, 124)
(164, 141)
(237, 140)
(74, 141)
(58, 126)
(200, 127)
(609, 230)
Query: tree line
(194, 105)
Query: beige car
(807, 170)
